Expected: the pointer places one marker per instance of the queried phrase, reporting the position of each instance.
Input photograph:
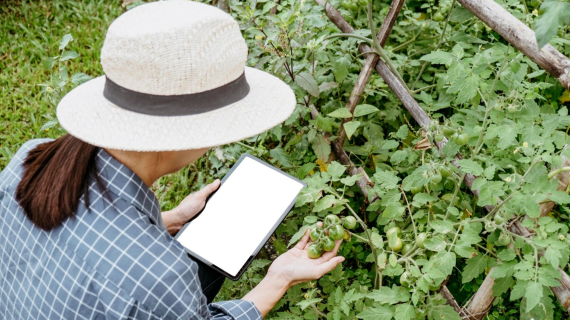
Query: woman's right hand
(295, 266)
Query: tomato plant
(418, 224)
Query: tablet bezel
(265, 239)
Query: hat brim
(87, 115)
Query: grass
(31, 32)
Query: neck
(150, 166)
(146, 165)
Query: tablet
(238, 219)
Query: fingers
(330, 254)
(304, 241)
(328, 266)
(320, 224)
(207, 190)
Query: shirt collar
(126, 184)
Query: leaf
(507, 254)
(48, 63)
(377, 313)
(470, 166)
(394, 210)
(340, 67)
(340, 113)
(68, 55)
(386, 179)
(377, 240)
(48, 125)
(325, 203)
(443, 312)
(335, 169)
(64, 41)
(439, 57)
(553, 256)
(280, 156)
(308, 195)
(474, 267)
(364, 109)
(325, 86)
(79, 78)
(532, 295)
(466, 88)
(390, 295)
(442, 226)
(305, 169)
(304, 304)
(405, 312)
(299, 234)
(306, 81)
(351, 180)
(502, 285)
(350, 128)
(435, 244)
(322, 148)
(555, 16)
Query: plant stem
(410, 211)
(457, 187)
(557, 171)
(348, 35)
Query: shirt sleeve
(234, 309)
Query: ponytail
(56, 174)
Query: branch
(521, 37)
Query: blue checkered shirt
(116, 261)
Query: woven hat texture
(174, 48)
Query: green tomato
(448, 132)
(461, 139)
(363, 2)
(349, 222)
(394, 231)
(444, 172)
(438, 17)
(314, 251)
(328, 244)
(435, 178)
(499, 219)
(395, 244)
(316, 233)
(439, 137)
(420, 239)
(406, 248)
(512, 108)
(535, 3)
(331, 220)
(503, 240)
(406, 279)
(349, 5)
(336, 232)
(417, 190)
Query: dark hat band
(176, 105)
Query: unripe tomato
(503, 240)
(438, 17)
(314, 251)
(395, 244)
(444, 172)
(498, 107)
(435, 178)
(349, 222)
(499, 219)
(420, 239)
(349, 5)
(448, 131)
(363, 2)
(512, 108)
(346, 235)
(330, 220)
(406, 248)
(535, 3)
(315, 234)
(439, 137)
(328, 244)
(336, 232)
(461, 139)
(394, 231)
(406, 279)
(416, 190)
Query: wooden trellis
(522, 38)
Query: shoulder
(13, 170)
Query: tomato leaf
(555, 16)
(377, 313)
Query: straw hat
(175, 79)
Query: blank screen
(240, 215)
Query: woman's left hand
(188, 208)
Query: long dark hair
(56, 175)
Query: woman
(81, 234)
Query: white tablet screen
(239, 215)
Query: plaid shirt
(115, 261)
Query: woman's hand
(291, 268)
(188, 208)
(295, 266)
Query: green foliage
(513, 116)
